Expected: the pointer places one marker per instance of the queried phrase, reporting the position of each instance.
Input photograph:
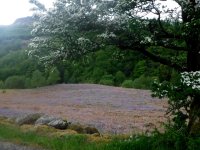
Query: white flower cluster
(191, 79)
(107, 35)
(146, 40)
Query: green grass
(72, 142)
(166, 141)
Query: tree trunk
(193, 62)
(194, 117)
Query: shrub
(143, 82)
(97, 74)
(37, 79)
(13, 82)
(119, 77)
(127, 84)
(54, 76)
(108, 77)
(66, 76)
(107, 80)
(27, 83)
(139, 69)
(1, 84)
(164, 73)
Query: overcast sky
(10, 10)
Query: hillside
(15, 37)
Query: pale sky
(10, 10)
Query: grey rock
(58, 124)
(55, 122)
(44, 120)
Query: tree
(17, 82)
(170, 36)
(54, 76)
(37, 79)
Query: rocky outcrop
(44, 120)
(58, 124)
(55, 122)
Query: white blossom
(191, 79)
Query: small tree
(13, 82)
(37, 79)
(54, 76)
(119, 77)
(1, 84)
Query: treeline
(108, 66)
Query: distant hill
(16, 36)
(26, 21)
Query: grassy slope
(15, 134)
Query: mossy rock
(83, 129)
(27, 119)
(76, 127)
(91, 130)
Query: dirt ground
(112, 110)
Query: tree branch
(173, 47)
(160, 59)
(152, 56)
(165, 34)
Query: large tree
(169, 36)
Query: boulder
(83, 129)
(58, 124)
(91, 130)
(55, 122)
(27, 119)
(76, 127)
(44, 120)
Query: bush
(66, 76)
(97, 74)
(164, 73)
(127, 84)
(37, 79)
(27, 83)
(107, 80)
(119, 77)
(1, 84)
(139, 69)
(13, 82)
(143, 82)
(54, 76)
(108, 77)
